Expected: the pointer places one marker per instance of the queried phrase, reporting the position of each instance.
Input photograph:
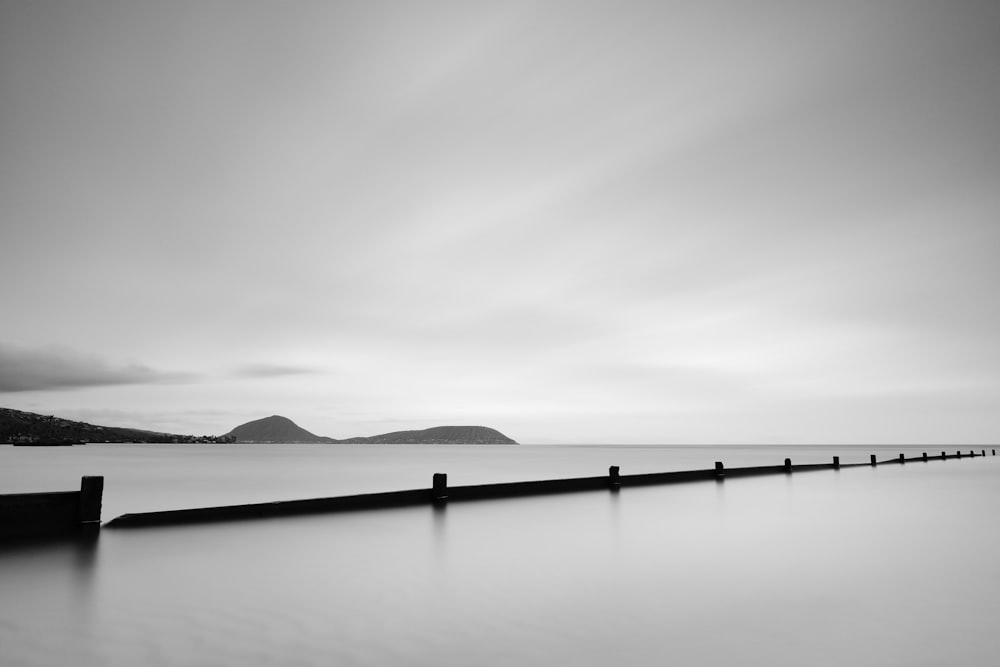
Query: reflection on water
(46, 599)
(869, 566)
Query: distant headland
(282, 429)
(29, 428)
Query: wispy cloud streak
(42, 368)
(271, 370)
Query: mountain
(282, 429)
(439, 435)
(31, 428)
(274, 429)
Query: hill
(439, 435)
(31, 428)
(282, 429)
(274, 429)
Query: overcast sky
(638, 222)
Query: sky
(575, 222)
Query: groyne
(440, 492)
(53, 513)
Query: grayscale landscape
(499, 333)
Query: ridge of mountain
(30, 428)
(439, 435)
(281, 429)
(274, 429)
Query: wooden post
(91, 492)
(972, 453)
(925, 456)
(440, 488)
(984, 452)
(943, 456)
(873, 460)
(720, 471)
(994, 452)
(901, 459)
(788, 465)
(614, 479)
(836, 462)
(958, 453)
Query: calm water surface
(895, 565)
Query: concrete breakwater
(440, 492)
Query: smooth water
(894, 565)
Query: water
(894, 565)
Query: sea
(887, 565)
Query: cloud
(54, 367)
(270, 370)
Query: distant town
(29, 428)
